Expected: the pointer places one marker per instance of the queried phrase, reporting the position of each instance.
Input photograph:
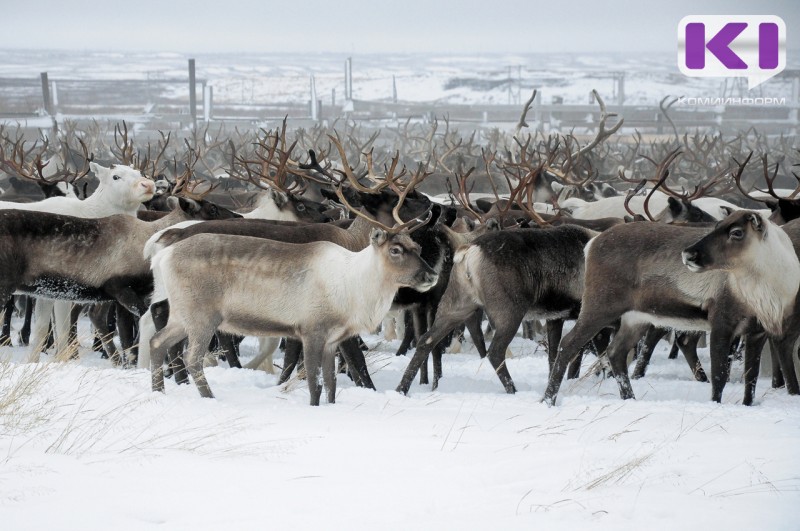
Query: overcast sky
(363, 26)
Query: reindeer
(122, 189)
(81, 259)
(386, 207)
(740, 278)
(511, 274)
(320, 293)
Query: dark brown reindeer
(739, 277)
(511, 275)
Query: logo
(751, 46)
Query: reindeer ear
(493, 224)
(726, 210)
(756, 221)
(328, 194)
(378, 237)
(675, 206)
(96, 168)
(278, 197)
(190, 206)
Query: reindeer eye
(736, 234)
(396, 251)
(116, 177)
(300, 207)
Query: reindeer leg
(587, 326)
(721, 340)
(8, 313)
(419, 322)
(645, 350)
(126, 325)
(625, 339)
(313, 351)
(687, 343)
(99, 314)
(782, 351)
(165, 338)
(554, 329)
(290, 359)
(473, 324)
(25, 331)
(357, 363)
(229, 345)
(408, 334)
(753, 345)
(329, 372)
(196, 350)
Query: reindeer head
(125, 186)
(729, 245)
(401, 256)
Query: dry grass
(23, 405)
(85, 418)
(620, 473)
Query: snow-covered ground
(86, 446)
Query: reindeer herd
(182, 248)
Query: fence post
(795, 103)
(208, 101)
(348, 79)
(48, 103)
(313, 102)
(192, 94)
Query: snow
(260, 78)
(87, 446)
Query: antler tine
(87, 158)
(402, 195)
(522, 123)
(357, 212)
(489, 158)
(701, 190)
(413, 224)
(180, 178)
(184, 184)
(18, 162)
(463, 195)
(314, 165)
(662, 172)
(164, 142)
(35, 170)
(602, 134)
(631, 193)
(770, 181)
(347, 171)
(125, 149)
(523, 194)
